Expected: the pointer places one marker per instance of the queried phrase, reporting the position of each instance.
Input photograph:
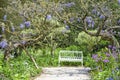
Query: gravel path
(64, 73)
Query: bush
(86, 42)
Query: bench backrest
(70, 54)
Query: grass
(22, 68)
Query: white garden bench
(70, 56)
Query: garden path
(64, 73)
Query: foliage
(17, 68)
(87, 42)
(104, 64)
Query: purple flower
(13, 29)
(107, 54)
(3, 44)
(110, 46)
(94, 56)
(64, 22)
(27, 23)
(67, 27)
(88, 20)
(94, 11)
(23, 42)
(114, 55)
(118, 21)
(78, 19)
(71, 19)
(3, 29)
(22, 26)
(102, 17)
(69, 4)
(49, 17)
(113, 48)
(117, 68)
(110, 78)
(93, 23)
(5, 17)
(105, 60)
(119, 1)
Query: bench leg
(59, 63)
(82, 63)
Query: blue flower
(23, 42)
(5, 17)
(113, 48)
(89, 20)
(69, 4)
(93, 23)
(67, 27)
(119, 1)
(118, 22)
(110, 78)
(49, 17)
(22, 26)
(27, 23)
(78, 20)
(3, 29)
(71, 19)
(13, 29)
(3, 44)
(102, 17)
(94, 11)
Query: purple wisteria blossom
(3, 29)
(78, 20)
(13, 28)
(67, 27)
(113, 48)
(5, 17)
(71, 19)
(90, 21)
(27, 23)
(110, 46)
(102, 17)
(93, 23)
(3, 44)
(22, 26)
(94, 11)
(118, 22)
(49, 17)
(119, 1)
(23, 42)
(69, 4)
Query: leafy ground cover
(103, 64)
